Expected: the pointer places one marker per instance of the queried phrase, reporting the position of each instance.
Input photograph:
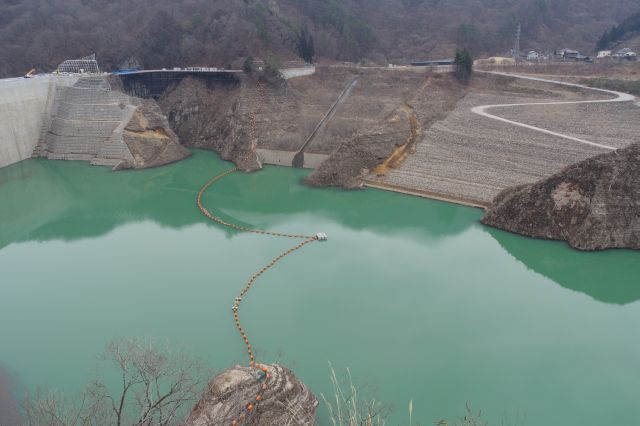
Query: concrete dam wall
(25, 105)
(81, 118)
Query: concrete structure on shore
(80, 118)
(25, 105)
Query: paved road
(619, 97)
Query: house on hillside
(626, 53)
(533, 56)
(604, 54)
(566, 54)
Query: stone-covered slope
(594, 204)
(93, 123)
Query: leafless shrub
(155, 388)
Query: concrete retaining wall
(23, 104)
(25, 107)
(297, 72)
(285, 158)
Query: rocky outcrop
(211, 116)
(150, 139)
(285, 401)
(593, 205)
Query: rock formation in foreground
(593, 204)
(285, 401)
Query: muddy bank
(593, 205)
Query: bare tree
(155, 388)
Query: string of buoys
(263, 372)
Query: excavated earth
(594, 204)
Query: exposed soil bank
(376, 123)
(593, 205)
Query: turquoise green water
(414, 296)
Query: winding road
(619, 97)
(484, 146)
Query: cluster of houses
(625, 53)
(574, 55)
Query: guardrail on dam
(25, 109)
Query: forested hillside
(42, 33)
(628, 28)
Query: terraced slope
(90, 122)
(87, 123)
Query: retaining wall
(25, 107)
(285, 158)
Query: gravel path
(619, 97)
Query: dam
(79, 117)
(25, 109)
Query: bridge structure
(153, 82)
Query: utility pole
(516, 45)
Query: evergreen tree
(604, 41)
(306, 47)
(463, 65)
(248, 65)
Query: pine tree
(463, 65)
(248, 65)
(306, 47)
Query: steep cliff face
(212, 116)
(284, 401)
(593, 205)
(373, 123)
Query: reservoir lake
(415, 297)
